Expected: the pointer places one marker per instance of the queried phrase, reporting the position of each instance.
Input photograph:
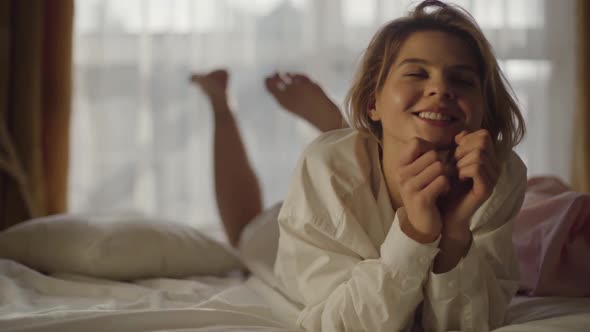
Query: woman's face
(432, 91)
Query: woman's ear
(374, 115)
(372, 110)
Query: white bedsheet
(30, 301)
(548, 314)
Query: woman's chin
(442, 142)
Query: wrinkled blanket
(552, 240)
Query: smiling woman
(376, 217)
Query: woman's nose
(440, 88)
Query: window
(142, 136)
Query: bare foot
(213, 84)
(304, 98)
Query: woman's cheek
(473, 115)
(407, 99)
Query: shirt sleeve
(475, 294)
(343, 292)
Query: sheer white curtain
(142, 136)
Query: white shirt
(343, 257)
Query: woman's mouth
(434, 116)
(436, 119)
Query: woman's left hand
(477, 172)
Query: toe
(273, 82)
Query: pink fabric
(552, 240)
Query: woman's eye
(464, 81)
(416, 74)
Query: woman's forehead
(436, 48)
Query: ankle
(219, 103)
(329, 119)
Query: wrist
(458, 239)
(419, 234)
(460, 231)
(452, 249)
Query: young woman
(405, 219)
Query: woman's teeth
(434, 116)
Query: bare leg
(304, 98)
(237, 189)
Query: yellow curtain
(35, 94)
(581, 162)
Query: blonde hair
(502, 117)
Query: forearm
(389, 288)
(474, 294)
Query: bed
(132, 274)
(36, 302)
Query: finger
(471, 141)
(424, 161)
(484, 157)
(424, 178)
(482, 183)
(445, 155)
(419, 164)
(414, 149)
(477, 140)
(478, 157)
(437, 187)
(477, 172)
(459, 137)
(478, 160)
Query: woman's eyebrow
(413, 61)
(465, 68)
(459, 67)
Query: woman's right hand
(421, 176)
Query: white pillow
(115, 247)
